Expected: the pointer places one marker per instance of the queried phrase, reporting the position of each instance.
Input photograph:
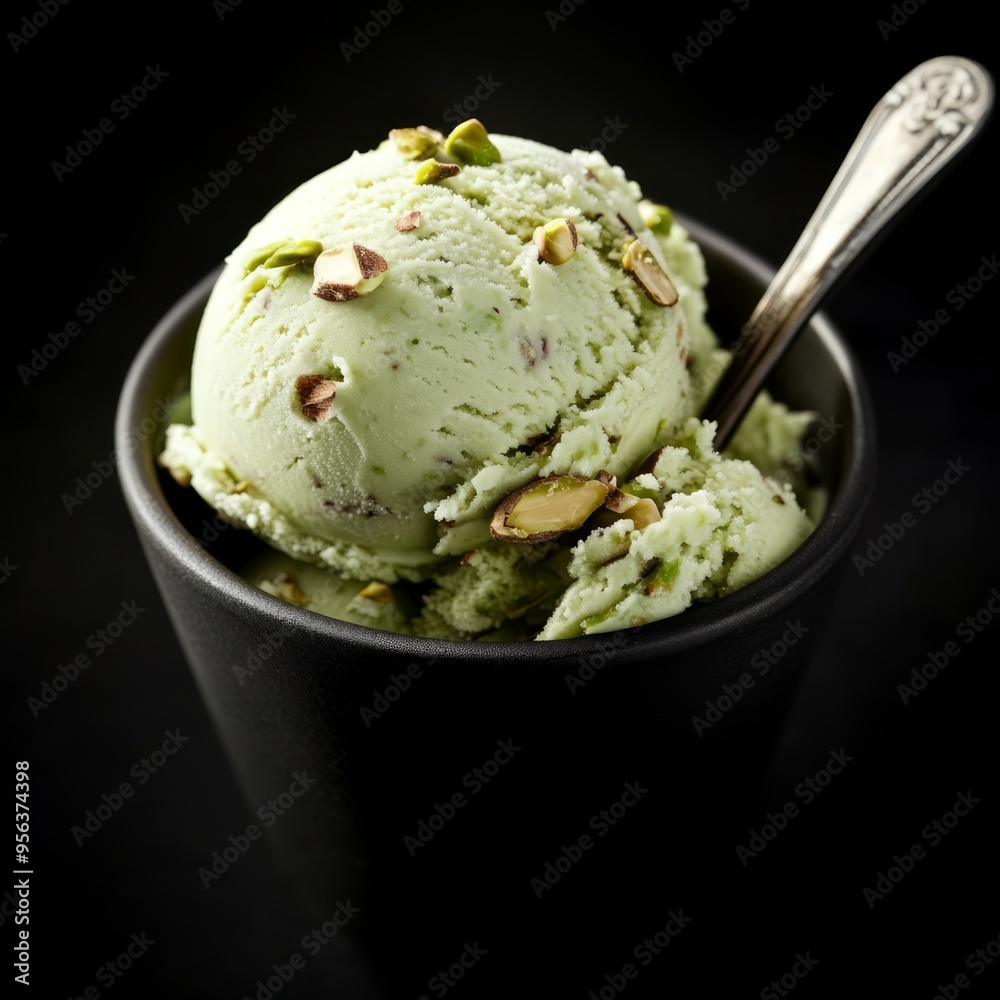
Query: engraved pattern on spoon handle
(915, 130)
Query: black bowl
(444, 788)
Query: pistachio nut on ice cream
(449, 381)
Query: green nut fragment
(547, 508)
(661, 576)
(431, 171)
(599, 619)
(264, 253)
(633, 489)
(657, 217)
(556, 241)
(416, 143)
(648, 274)
(294, 253)
(470, 143)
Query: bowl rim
(156, 522)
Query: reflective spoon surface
(911, 134)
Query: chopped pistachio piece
(556, 241)
(648, 274)
(661, 576)
(470, 143)
(546, 508)
(408, 221)
(632, 488)
(380, 593)
(294, 253)
(287, 588)
(643, 513)
(416, 143)
(346, 271)
(259, 256)
(599, 619)
(620, 502)
(316, 395)
(657, 217)
(431, 171)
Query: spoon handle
(914, 131)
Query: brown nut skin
(316, 394)
(620, 502)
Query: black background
(680, 131)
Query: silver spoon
(914, 131)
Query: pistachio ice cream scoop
(426, 329)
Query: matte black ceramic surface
(444, 788)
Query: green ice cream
(430, 326)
